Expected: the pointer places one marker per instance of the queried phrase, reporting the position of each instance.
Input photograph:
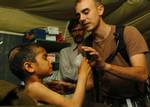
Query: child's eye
(45, 56)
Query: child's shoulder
(34, 86)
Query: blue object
(38, 33)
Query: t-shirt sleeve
(134, 40)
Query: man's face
(78, 34)
(88, 13)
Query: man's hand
(97, 60)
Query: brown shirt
(111, 84)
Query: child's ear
(28, 66)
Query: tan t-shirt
(111, 84)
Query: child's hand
(85, 66)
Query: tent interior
(19, 16)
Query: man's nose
(82, 18)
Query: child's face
(43, 66)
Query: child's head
(29, 59)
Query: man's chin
(88, 29)
(78, 41)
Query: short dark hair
(72, 24)
(20, 54)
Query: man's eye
(86, 12)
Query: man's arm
(136, 47)
(138, 71)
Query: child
(31, 64)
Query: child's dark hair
(20, 54)
(72, 24)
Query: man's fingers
(90, 50)
(94, 53)
(86, 48)
(92, 63)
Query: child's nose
(51, 58)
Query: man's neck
(102, 31)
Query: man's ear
(28, 66)
(100, 8)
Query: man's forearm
(138, 73)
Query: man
(70, 57)
(121, 84)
